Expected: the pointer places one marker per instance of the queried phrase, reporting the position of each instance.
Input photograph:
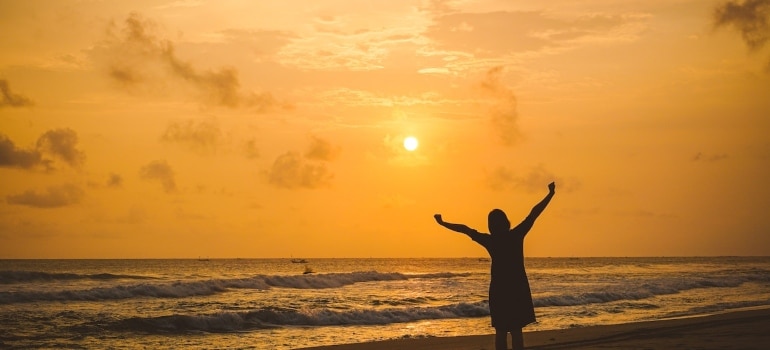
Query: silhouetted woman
(510, 300)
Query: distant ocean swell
(205, 287)
(276, 317)
(631, 290)
(11, 277)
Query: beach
(744, 329)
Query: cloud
(701, 157)
(354, 97)
(492, 34)
(536, 180)
(261, 43)
(136, 50)
(434, 70)
(291, 171)
(12, 156)
(54, 197)
(751, 18)
(504, 114)
(203, 136)
(10, 99)
(321, 149)
(159, 170)
(480, 33)
(221, 86)
(250, 149)
(469, 41)
(180, 4)
(58, 143)
(124, 75)
(346, 42)
(439, 6)
(62, 143)
(114, 180)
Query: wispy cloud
(348, 43)
(472, 40)
(263, 44)
(53, 197)
(160, 171)
(10, 99)
(136, 49)
(703, 157)
(527, 30)
(355, 97)
(504, 114)
(535, 180)
(180, 4)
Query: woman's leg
(517, 339)
(501, 339)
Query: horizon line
(423, 257)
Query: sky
(270, 129)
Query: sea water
(274, 304)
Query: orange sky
(154, 129)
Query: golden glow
(250, 129)
(411, 143)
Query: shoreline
(737, 329)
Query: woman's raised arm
(539, 207)
(454, 227)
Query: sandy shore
(746, 329)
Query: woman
(510, 300)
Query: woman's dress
(510, 299)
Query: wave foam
(10, 277)
(276, 317)
(634, 291)
(209, 287)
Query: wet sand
(745, 329)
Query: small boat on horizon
(299, 261)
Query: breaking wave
(213, 286)
(10, 277)
(648, 289)
(278, 317)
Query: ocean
(273, 304)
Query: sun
(411, 143)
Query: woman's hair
(498, 222)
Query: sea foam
(272, 317)
(213, 286)
(11, 277)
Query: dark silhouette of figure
(510, 299)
